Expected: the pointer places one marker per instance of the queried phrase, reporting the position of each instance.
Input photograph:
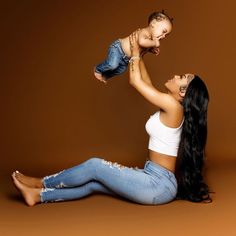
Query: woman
(176, 147)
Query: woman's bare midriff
(166, 161)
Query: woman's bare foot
(29, 181)
(30, 195)
(99, 77)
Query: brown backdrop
(55, 114)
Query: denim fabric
(116, 62)
(152, 185)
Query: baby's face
(159, 29)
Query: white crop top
(163, 139)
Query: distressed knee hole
(61, 185)
(44, 190)
(53, 176)
(58, 200)
(113, 165)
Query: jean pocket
(164, 197)
(173, 191)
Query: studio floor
(104, 215)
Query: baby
(159, 25)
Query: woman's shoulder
(173, 104)
(172, 117)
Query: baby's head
(160, 24)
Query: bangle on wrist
(134, 58)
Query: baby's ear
(153, 22)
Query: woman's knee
(94, 161)
(94, 186)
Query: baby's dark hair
(159, 16)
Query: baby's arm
(145, 41)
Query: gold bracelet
(134, 58)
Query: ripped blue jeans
(152, 185)
(116, 62)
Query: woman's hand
(134, 46)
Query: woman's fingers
(132, 38)
(135, 34)
(134, 46)
(131, 41)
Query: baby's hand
(155, 50)
(157, 42)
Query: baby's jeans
(152, 185)
(116, 62)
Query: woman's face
(178, 84)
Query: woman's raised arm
(140, 80)
(144, 73)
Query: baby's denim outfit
(152, 185)
(116, 62)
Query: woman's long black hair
(191, 153)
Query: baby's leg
(99, 76)
(112, 61)
(119, 70)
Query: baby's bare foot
(29, 181)
(99, 77)
(30, 195)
